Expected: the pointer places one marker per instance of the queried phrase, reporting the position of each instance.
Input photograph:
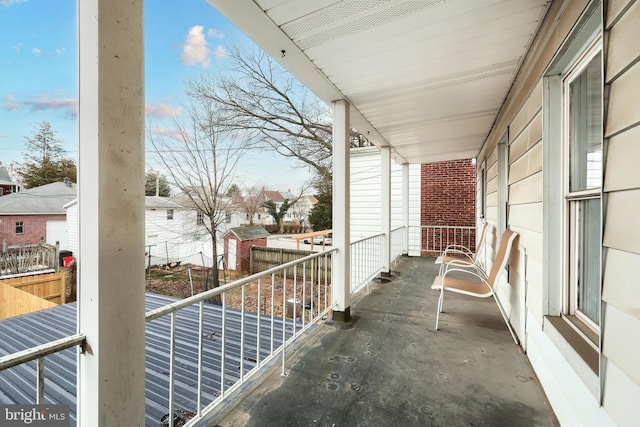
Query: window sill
(578, 353)
(576, 341)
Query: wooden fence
(27, 293)
(263, 258)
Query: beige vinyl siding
(616, 343)
(625, 29)
(615, 8)
(528, 190)
(526, 165)
(492, 185)
(621, 293)
(622, 161)
(619, 266)
(621, 230)
(623, 101)
(621, 396)
(527, 216)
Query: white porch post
(386, 209)
(341, 195)
(405, 208)
(111, 383)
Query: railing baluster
(258, 338)
(284, 319)
(273, 297)
(40, 381)
(223, 335)
(200, 351)
(242, 312)
(172, 356)
(304, 293)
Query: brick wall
(448, 198)
(34, 228)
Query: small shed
(237, 245)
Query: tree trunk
(215, 277)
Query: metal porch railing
(203, 348)
(433, 239)
(366, 261)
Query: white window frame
(572, 203)
(169, 214)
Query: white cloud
(221, 52)
(68, 105)
(36, 51)
(10, 103)
(173, 133)
(213, 33)
(196, 50)
(17, 47)
(162, 111)
(59, 51)
(7, 3)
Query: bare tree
(251, 201)
(200, 160)
(261, 97)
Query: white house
(173, 231)
(366, 197)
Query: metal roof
(18, 384)
(427, 78)
(46, 199)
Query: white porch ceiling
(427, 77)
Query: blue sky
(38, 73)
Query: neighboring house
(366, 198)
(191, 235)
(174, 232)
(237, 245)
(36, 214)
(7, 186)
(300, 210)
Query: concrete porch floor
(388, 366)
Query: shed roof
(248, 232)
(18, 384)
(46, 199)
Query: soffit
(427, 77)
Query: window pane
(588, 291)
(586, 128)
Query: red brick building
(448, 198)
(36, 214)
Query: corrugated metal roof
(18, 384)
(249, 232)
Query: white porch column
(111, 383)
(341, 212)
(405, 208)
(386, 209)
